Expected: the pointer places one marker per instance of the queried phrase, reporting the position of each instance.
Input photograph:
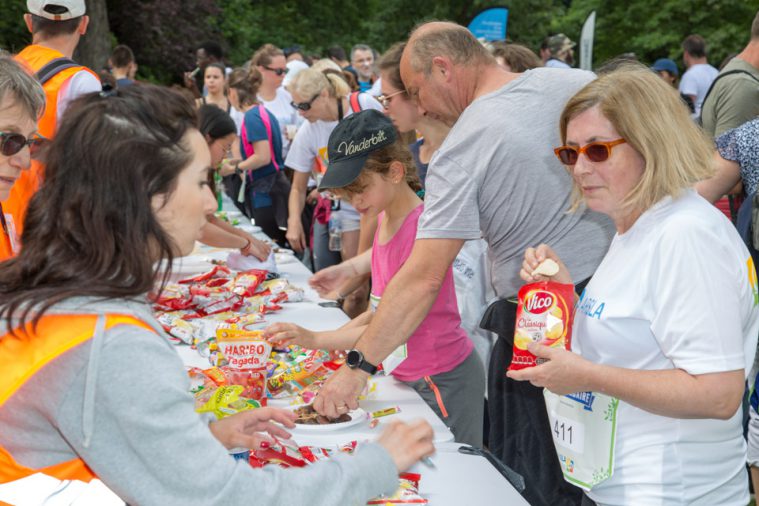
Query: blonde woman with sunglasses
(665, 332)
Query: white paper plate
(357, 416)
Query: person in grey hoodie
(91, 386)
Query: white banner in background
(586, 42)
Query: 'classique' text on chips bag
(544, 315)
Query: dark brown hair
(695, 45)
(90, 230)
(518, 57)
(121, 56)
(390, 64)
(50, 29)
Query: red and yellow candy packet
(246, 354)
(544, 315)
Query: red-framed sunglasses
(595, 151)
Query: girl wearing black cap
(370, 167)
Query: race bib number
(584, 429)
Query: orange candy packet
(544, 315)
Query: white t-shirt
(376, 89)
(696, 82)
(673, 292)
(285, 113)
(311, 142)
(74, 87)
(238, 117)
(557, 64)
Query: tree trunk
(95, 47)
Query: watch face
(353, 358)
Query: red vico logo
(538, 302)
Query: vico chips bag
(544, 315)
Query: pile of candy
(244, 358)
(289, 454)
(193, 309)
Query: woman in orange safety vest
(22, 101)
(90, 385)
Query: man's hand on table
(249, 429)
(340, 392)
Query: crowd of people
(423, 187)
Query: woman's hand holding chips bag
(543, 264)
(560, 371)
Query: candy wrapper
(290, 377)
(407, 493)
(246, 354)
(544, 315)
(205, 379)
(224, 401)
(314, 454)
(281, 453)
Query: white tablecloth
(457, 478)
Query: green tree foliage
(162, 33)
(165, 33)
(655, 28)
(13, 33)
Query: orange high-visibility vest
(35, 57)
(23, 355)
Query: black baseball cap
(351, 143)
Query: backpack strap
(720, 76)
(354, 102)
(267, 124)
(248, 146)
(53, 67)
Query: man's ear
(83, 24)
(28, 22)
(442, 65)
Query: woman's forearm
(672, 392)
(261, 157)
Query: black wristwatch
(238, 170)
(355, 360)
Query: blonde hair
(324, 64)
(265, 54)
(309, 83)
(651, 117)
(379, 161)
(246, 83)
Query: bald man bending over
(496, 177)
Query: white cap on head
(56, 10)
(294, 67)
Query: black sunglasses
(279, 72)
(305, 106)
(12, 143)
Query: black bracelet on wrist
(238, 170)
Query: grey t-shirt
(496, 176)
